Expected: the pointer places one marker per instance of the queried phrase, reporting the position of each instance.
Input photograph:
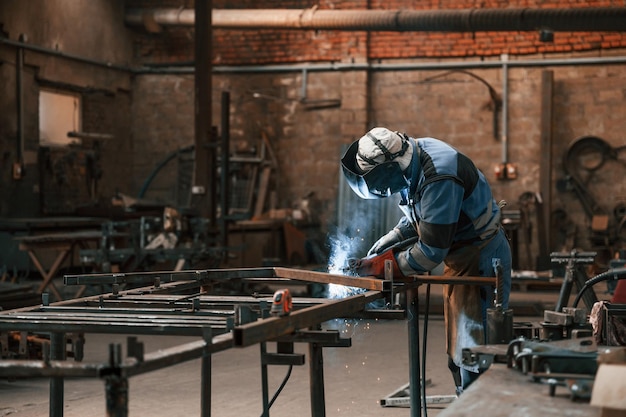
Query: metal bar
(131, 366)
(203, 188)
(116, 384)
(316, 376)
(368, 283)
(57, 352)
(130, 318)
(177, 354)
(155, 312)
(139, 317)
(322, 337)
(273, 327)
(443, 279)
(134, 277)
(226, 274)
(205, 384)
(92, 327)
(35, 368)
(19, 70)
(545, 167)
(225, 170)
(414, 352)
(264, 382)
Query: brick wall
(152, 115)
(246, 47)
(456, 106)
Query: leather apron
(462, 304)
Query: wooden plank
(503, 391)
(262, 191)
(609, 388)
(368, 283)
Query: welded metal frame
(161, 309)
(165, 307)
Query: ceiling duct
(462, 20)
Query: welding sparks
(342, 249)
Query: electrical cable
(161, 165)
(278, 391)
(615, 274)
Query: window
(59, 113)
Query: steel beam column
(205, 388)
(316, 375)
(264, 384)
(57, 352)
(414, 351)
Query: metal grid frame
(178, 303)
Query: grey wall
(91, 30)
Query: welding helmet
(374, 165)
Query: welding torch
(354, 263)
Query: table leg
(47, 276)
(57, 352)
(414, 352)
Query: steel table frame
(156, 309)
(65, 244)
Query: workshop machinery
(565, 349)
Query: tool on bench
(572, 363)
(282, 303)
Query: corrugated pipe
(461, 20)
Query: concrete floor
(355, 378)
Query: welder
(449, 216)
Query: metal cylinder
(116, 392)
(499, 326)
(457, 20)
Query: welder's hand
(391, 238)
(375, 265)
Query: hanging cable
(611, 274)
(278, 391)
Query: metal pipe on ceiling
(462, 20)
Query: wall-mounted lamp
(546, 35)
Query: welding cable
(278, 391)
(161, 165)
(404, 244)
(611, 274)
(424, 339)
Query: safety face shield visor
(381, 181)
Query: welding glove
(401, 232)
(374, 265)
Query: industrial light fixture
(546, 35)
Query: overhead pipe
(49, 51)
(188, 68)
(18, 165)
(462, 20)
(505, 111)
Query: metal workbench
(180, 303)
